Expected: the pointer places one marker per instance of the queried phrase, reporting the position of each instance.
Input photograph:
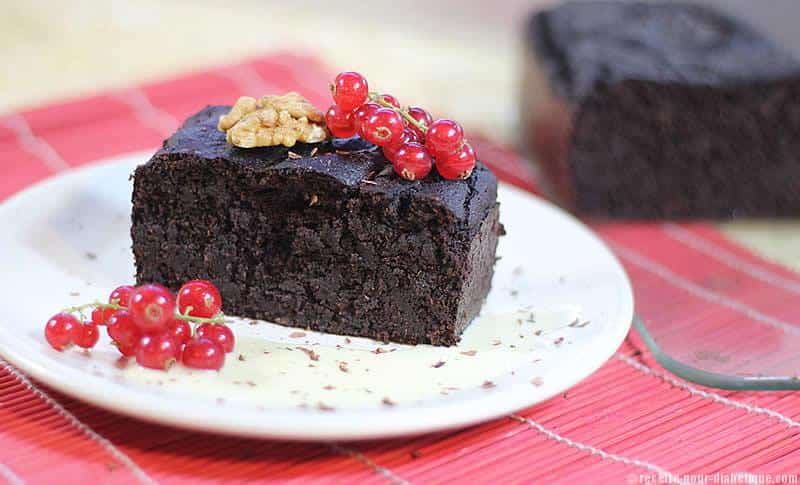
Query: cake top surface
(580, 44)
(354, 163)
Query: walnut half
(273, 120)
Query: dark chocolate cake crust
(661, 110)
(317, 236)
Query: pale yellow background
(459, 57)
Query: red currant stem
(96, 304)
(377, 99)
(218, 318)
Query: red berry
(202, 296)
(384, 127)
(390, 151)
(458, 165)
(89, 335)
(122, 295)
(388, 98)
(157, 351)
(203, 353)
(101, 315)
(350, 90)
(413, 162)
(151, 307)
(127, 350)
(362, 114)
(62, 330)
(340, 123)
(422, 116)
(444, 137)
(218, 333)
(180, 330)
(123, 331)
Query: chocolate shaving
(438, 364)
(329, 387)
(343, 366)
(250, 383)
(379, 350)
(537, 381)
(324, 407)
(496, 342)
(74, 293)
(387, 170)
(242, 358)
(469, 352)
(578, 324)
(559, 341)
(347, 340)
(310, 353)
(387, 402)
(538, 333)
(91, 256)
(297, 334)
(488, 384)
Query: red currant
(218, 333)
(390, 151)
(203, 298)
(388, 98)
(127, 350)
(384, 127)
(423, 117)
(123, 331)
(444, 137)
(362, 114)
(152, 306)
(157, 351)
(340, 123)
(203, 353)
(413, 162)
(101, 315)
(62, 330)
(180, 330)
(122, 295)
(350, 90)
(89, 335)
(458, 165)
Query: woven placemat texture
(630, 422)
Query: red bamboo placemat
(630, 422)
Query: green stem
(219, 318)
(95, 304)
(376, 98)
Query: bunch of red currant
(149, 323)
(410, 139)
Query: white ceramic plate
(66, 241)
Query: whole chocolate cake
(320, 235)
(661, 110)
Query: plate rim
(391, 422)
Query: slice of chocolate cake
(661, 110)
(321, 235)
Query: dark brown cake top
(353, 163)
(583, 43)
